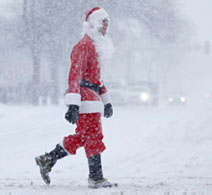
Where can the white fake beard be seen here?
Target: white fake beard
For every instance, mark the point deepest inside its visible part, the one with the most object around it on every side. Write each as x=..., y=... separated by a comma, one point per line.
x=105, y=49
x=103, y=44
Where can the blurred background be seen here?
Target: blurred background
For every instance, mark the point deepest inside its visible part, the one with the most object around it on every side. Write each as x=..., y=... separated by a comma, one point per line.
x=162, y=50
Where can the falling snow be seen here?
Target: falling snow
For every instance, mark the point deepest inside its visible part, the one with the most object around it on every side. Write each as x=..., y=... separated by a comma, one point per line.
x=159, y=139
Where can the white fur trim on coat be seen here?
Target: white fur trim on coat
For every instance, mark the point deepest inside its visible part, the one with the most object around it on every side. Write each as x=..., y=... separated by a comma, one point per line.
x=72, y=98
x=106, y=98
x=91, y=107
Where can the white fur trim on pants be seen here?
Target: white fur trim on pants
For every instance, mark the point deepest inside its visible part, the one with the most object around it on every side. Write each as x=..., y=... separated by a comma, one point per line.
x=72, y=98
x=91, y=107
x=106, y=98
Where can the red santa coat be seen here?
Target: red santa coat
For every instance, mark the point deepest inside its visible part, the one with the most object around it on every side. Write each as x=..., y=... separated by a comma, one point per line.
x=85, y=65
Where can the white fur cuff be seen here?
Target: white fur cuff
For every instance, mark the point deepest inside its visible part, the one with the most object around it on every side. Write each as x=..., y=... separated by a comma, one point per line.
x=106, y=98
x=72, y=98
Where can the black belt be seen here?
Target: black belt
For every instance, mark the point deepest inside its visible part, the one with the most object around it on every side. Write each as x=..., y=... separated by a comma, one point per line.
x=92, y=86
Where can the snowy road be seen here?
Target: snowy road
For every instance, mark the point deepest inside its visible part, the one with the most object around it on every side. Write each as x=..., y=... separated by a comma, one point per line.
x=159, y=150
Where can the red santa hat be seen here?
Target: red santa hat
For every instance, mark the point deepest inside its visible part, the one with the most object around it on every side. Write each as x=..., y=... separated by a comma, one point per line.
x=94, y=17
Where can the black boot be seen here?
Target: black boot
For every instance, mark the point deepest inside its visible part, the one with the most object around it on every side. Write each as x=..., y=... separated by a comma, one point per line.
x=48, y=160
x=96, y=179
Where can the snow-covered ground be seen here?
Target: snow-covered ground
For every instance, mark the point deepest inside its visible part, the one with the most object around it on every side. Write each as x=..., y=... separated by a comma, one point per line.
x=158, y=150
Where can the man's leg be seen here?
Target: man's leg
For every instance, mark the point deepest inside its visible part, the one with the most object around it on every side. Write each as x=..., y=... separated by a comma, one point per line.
x=94, y=142
x=96, y=179
x=93, y=147
x=95, y=167
x=48, y=160
x=70, y=144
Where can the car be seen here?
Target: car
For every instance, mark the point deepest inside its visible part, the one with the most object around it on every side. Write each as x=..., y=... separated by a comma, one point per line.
x=143, y=93
x=118, y=92
x=177, y=98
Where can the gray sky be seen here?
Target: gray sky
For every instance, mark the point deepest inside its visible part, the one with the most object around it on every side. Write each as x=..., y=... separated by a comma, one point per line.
x=8, y=8
x=199, y=12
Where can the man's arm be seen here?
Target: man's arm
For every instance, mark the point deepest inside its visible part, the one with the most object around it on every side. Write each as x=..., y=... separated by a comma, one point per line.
x=73, y=97
x=78, y=60
x=105, y=96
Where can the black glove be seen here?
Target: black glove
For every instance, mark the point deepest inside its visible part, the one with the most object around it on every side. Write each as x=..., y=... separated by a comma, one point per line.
x=72, y=114
x=108, y=110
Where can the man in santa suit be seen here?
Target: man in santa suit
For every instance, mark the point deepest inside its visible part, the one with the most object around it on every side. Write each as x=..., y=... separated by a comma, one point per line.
x=87, y=99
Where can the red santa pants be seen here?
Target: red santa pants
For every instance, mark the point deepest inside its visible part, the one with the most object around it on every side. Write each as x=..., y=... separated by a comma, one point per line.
x=88, y=134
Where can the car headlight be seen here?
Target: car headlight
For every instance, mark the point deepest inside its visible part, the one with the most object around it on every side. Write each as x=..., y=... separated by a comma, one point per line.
x=207, y=95
x=144, y=96
x=171, y=99
x=183, y=99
